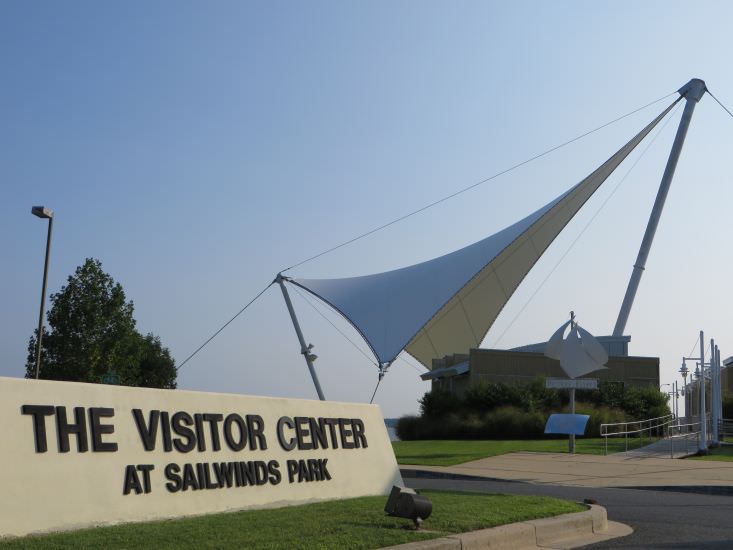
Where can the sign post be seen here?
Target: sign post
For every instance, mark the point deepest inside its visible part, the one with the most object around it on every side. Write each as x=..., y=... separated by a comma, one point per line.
x=579, y=354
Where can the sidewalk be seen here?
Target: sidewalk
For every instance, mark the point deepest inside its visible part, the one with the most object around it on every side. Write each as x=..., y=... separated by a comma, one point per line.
x=580, y=470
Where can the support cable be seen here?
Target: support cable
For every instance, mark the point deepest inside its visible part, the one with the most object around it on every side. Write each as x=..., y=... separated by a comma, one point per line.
x=694, y=345
x=225, y=325
x=719, y=103
x=472, y=186
x=595, y=215
x=406, y=362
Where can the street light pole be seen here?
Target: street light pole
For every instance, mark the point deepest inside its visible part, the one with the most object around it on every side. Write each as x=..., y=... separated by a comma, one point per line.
x=703, y=447
x=44, y=213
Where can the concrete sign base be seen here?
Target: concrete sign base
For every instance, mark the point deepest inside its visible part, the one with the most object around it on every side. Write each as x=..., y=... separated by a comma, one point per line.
x=79, y=455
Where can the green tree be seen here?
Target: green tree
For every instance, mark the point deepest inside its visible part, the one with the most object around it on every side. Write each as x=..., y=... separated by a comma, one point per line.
x=92, y=333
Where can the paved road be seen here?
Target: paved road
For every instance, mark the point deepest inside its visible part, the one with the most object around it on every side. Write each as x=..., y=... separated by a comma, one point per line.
x=661, y=519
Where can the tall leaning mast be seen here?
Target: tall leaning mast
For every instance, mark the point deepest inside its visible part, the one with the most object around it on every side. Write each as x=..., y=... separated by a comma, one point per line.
x=692, y=92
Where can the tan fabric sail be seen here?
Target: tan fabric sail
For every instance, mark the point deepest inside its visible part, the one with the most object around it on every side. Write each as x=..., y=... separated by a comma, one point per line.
x=447, y=305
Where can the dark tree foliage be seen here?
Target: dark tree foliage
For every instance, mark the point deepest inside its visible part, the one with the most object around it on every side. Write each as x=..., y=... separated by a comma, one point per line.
x=91, y=333
x=727, y=405
x=496, y=410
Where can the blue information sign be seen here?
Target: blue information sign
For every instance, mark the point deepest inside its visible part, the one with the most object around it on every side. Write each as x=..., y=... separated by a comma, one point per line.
x=566, y=424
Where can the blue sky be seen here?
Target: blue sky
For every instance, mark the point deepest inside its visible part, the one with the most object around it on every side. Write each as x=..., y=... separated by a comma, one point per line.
x=197, y=148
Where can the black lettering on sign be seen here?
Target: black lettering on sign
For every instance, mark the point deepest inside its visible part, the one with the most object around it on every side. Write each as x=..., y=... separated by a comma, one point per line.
x=292, y=466
x=224, y=473
x=165, y=427
x=204, y=476
x=331, y=423
x=148, y=430
x=179, y=425
x=198, y=420
x=324, y=471
x=249, y=475
x=213, y=420
x=359, y=435
x=189, y=478
x=99, y=429
x=256, y=427
x=146, y=469
x=314, y=472
x=273, y=467
x=345, y=433
x=39, y=413
x=308, y=470
x=65, y=429
x=234, y=442
x=302, y=432
x=318, y=433
x=132, y=479
x=260, y=472
x=287, y=444
x=172, y=474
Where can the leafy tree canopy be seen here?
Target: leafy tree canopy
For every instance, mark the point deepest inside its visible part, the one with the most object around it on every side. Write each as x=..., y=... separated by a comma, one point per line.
x=91, y=333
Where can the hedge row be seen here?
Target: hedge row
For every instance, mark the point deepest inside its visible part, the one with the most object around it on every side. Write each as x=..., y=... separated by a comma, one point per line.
x=503, y=411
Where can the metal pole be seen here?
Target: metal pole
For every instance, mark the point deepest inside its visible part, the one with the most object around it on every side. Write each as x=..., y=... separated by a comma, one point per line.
x=713, y=396
x=719, y=368
x=676, y=402
x=571, y=438
x=304, y=349
x=43, y=297
x=692, y=92
x=703, y=442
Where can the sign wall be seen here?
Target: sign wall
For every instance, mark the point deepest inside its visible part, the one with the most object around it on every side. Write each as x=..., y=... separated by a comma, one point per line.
x=77, y=455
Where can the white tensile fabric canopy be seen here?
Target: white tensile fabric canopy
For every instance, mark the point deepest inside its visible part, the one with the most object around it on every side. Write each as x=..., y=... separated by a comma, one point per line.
x=447, y=305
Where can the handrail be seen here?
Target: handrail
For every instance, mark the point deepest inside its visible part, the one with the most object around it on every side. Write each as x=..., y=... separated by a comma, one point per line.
x=638, y=427
x=664, y=421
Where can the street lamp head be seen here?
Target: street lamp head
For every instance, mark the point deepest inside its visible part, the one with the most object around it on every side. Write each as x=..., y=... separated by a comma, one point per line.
x=42, y=212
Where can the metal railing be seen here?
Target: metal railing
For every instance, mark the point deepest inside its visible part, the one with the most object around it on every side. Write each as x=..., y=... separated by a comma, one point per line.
x=653, y=426
x=725, y=430
x=676, y=432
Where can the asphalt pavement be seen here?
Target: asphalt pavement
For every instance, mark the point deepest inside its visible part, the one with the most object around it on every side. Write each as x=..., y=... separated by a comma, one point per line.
x=661, y=519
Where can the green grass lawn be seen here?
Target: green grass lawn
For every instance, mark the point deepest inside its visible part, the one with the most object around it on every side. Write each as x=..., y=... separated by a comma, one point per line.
x=451, y=452
x=724, y=454
x=353, y=523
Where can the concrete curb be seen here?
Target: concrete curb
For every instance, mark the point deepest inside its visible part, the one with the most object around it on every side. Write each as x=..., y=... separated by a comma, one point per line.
x=565, y=531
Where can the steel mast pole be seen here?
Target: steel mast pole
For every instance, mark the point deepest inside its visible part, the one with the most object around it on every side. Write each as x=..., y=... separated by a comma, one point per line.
x=692, y=92
x=720, y=383
x=713, y=399
x=703, y=446
x=304, y=349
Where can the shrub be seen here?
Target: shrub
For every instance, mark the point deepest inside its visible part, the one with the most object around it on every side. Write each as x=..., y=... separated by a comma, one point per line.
x=438, y=403
x=408, y=428
x=727, y=405
x=496, y=410
x=599, y=415
x=513, y=423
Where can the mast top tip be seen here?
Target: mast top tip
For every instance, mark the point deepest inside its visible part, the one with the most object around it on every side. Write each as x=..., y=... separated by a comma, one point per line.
x=694, y=89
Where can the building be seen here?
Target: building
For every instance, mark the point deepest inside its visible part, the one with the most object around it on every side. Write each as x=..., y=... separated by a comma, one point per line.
x=458, y=372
